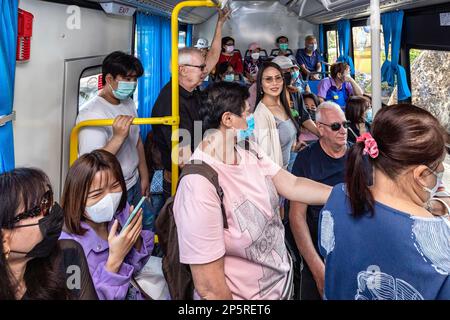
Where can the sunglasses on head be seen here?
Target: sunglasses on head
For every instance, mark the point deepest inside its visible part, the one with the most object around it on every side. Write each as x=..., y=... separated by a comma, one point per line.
x=335, y=126
x=42, y=208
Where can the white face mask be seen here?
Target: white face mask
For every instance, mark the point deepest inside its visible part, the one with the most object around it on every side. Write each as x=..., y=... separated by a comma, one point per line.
x=433, y=191
x=104, y=210
x=229, y=49
x=255, y=55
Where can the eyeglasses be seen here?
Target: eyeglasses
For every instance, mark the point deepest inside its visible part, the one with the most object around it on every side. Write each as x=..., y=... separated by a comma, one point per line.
x=335, y=126
x=43, y=208
x=201, y=67
x=278, y=79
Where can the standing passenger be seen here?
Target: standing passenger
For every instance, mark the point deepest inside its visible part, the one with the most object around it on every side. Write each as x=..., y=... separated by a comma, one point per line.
x=381, y=242
x=249, y=259
x=275, y=128
x=193, y=68
x=115, y=101
x=324, y=162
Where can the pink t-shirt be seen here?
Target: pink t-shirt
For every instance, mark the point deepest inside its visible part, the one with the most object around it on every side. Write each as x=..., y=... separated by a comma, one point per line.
x=256, y=260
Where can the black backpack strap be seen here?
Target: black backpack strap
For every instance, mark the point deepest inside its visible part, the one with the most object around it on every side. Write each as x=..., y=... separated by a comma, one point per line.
x=205, y=170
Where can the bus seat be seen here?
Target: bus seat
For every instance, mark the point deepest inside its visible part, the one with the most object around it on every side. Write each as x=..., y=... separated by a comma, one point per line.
x=314, y=86
x=276, y=50
x=262, y=52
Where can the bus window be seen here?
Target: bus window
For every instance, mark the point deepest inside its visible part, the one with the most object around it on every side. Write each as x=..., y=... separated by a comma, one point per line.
x=181, y=39
x=430, y=88
x=89, y=85
x=430, y=84
x=362, y=51
x=332, y=45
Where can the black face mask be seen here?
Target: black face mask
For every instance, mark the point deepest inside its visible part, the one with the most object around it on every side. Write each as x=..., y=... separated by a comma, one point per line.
x=50, y=227
x=287, y=78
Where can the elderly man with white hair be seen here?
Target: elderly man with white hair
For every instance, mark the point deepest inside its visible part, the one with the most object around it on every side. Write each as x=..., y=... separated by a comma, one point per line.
x=323, y=161
x=193, y=69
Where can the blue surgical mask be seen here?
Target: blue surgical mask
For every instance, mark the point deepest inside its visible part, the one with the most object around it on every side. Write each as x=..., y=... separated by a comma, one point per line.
x=125, y=89
x=369, y=116
x=244, y=134
x=229, y=77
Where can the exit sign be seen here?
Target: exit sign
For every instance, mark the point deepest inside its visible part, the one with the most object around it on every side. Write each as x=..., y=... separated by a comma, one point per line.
x=117, y=9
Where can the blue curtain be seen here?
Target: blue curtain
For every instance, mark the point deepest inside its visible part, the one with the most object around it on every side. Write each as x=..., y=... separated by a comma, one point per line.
x=344, y=32
x=154, y=50
x=392, y=31
x=8, y=42
x=189, y=36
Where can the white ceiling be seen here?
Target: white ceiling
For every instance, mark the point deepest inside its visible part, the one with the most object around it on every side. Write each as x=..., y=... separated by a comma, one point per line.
x=314, y=11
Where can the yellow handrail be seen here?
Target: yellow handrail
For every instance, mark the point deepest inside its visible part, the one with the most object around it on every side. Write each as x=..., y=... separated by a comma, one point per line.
x=108, y=122
x=175, y=91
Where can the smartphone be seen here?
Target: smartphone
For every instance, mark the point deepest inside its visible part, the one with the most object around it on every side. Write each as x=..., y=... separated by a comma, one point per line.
x=133, y=214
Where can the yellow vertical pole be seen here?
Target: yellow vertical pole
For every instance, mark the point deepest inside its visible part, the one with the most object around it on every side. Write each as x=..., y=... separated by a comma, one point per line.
x=175, y=86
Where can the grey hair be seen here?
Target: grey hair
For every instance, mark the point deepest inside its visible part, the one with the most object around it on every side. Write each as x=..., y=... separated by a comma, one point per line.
x=185, y=55
x=327, y=105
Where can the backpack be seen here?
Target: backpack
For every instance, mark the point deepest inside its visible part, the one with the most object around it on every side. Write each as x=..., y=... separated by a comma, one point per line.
x=178, y=275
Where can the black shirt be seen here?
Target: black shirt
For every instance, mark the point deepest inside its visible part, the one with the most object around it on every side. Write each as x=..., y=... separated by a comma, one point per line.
x=189, y=105
x=68, y=260
x=313, y=163
x=299, y=105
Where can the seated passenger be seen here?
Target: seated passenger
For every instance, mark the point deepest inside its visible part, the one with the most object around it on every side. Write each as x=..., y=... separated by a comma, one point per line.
x=309, y=59
x=311, y=103
x=324, y=162
x=340, y=86
x=34, y=265
x=230, y=56
x=282, y=43
x=202, y=45
x=253, y=62
x=225, y=72
x=359, y=113
x=96, y=209
x=235, y=263
x=381, y=242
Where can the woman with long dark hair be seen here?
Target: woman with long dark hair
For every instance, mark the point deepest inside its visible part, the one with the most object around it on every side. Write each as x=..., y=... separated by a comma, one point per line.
x=359, y=113
x=382, y=241
x=33, y=263
x=275, y=128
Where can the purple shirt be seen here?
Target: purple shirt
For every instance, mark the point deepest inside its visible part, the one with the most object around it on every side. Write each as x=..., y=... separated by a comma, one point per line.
x=325, y=85
x=112, y=286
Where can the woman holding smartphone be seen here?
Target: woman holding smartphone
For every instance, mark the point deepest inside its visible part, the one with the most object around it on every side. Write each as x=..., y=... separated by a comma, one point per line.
x=96, y=208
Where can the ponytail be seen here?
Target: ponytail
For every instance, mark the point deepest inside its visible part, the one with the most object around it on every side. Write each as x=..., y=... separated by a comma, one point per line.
x=357, y=176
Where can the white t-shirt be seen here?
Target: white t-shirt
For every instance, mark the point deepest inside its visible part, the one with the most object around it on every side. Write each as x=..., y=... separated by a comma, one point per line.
x=92, y=138
x=256, y=260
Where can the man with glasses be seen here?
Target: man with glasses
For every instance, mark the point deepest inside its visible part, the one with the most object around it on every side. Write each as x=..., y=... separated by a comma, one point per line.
x=193, y=69
x=322, y=161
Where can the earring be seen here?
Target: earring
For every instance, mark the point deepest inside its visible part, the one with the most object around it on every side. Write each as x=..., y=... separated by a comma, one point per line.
x=7, y=254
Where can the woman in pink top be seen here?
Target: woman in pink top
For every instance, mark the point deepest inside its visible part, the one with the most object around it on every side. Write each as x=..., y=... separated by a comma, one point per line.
x=248, y=260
